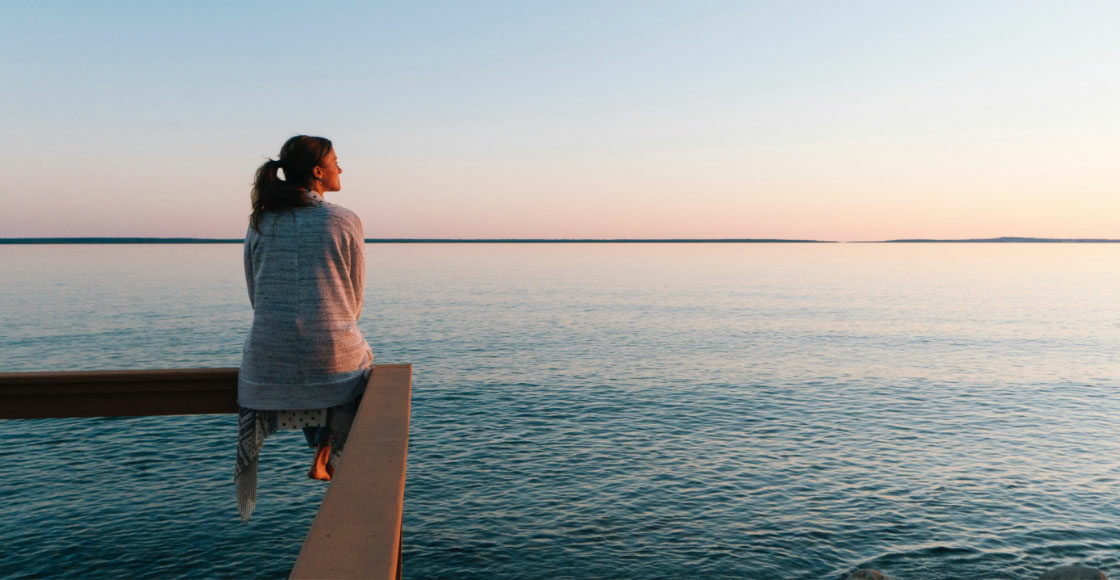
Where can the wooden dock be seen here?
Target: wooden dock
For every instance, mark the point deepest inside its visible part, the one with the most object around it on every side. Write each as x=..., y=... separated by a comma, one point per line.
x=357, y=531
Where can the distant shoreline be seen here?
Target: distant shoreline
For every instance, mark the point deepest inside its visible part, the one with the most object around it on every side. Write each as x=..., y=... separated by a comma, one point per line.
x=141, y=240
x=1002, y=240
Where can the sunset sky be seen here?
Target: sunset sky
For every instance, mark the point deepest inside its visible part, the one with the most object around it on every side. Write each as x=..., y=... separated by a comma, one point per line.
x=821, y=120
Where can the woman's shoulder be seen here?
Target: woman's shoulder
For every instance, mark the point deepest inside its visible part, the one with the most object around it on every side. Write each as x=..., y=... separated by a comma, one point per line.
x=340, y=217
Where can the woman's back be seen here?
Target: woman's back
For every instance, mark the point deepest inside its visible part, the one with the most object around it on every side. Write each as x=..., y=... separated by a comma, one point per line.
x=305, y=273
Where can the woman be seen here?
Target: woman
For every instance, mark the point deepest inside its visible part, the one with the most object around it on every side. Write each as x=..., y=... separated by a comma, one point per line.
x=305, y=363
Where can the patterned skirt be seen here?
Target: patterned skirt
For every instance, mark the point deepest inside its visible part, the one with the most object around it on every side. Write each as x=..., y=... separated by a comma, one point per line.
x=255, y=425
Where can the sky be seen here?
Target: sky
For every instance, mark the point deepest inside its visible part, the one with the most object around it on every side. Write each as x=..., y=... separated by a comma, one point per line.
x=646, y=119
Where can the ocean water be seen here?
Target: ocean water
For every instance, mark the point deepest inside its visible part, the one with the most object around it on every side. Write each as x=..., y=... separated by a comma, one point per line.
x=608, y=411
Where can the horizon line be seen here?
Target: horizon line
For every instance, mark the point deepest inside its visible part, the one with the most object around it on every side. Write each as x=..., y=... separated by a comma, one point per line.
x=191, y=240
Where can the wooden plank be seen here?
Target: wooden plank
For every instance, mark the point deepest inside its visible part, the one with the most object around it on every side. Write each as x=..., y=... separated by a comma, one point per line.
x=356, y=533
x=118, y=393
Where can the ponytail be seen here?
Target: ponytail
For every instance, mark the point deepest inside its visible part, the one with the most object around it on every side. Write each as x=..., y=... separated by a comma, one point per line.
x=298, y=157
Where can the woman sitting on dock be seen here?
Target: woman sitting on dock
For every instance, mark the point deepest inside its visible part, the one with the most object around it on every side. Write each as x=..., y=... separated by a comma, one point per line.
x=305, y=363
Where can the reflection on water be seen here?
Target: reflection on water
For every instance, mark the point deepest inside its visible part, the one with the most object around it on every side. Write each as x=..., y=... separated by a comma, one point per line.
x=609, y=410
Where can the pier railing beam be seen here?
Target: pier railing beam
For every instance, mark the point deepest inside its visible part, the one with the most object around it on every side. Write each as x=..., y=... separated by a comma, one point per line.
x=117, y=393
x=356, y=533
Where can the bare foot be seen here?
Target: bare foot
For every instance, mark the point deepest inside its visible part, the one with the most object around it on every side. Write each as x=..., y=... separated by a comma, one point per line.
x=319, y=468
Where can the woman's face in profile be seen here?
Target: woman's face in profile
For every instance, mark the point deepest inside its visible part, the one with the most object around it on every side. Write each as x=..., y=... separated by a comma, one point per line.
x=330, y=172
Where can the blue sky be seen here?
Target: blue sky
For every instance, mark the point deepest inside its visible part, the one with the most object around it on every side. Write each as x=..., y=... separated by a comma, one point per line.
x=854, y=120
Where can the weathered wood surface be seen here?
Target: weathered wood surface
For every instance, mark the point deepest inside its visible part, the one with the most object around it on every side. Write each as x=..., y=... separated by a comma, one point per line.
x=356, y=533
x=117, y=393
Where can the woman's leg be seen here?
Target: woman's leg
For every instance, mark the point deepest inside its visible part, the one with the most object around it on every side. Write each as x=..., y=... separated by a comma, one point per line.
x=320, y=469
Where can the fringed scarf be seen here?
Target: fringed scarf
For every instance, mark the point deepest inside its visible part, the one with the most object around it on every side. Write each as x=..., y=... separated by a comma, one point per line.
x=254, y=426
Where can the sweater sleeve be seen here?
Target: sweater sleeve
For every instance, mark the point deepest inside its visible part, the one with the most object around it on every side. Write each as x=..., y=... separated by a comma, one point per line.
x=250, y=275
x=358, y=267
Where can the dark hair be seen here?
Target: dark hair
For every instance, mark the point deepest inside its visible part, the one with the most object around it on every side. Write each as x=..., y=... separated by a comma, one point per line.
x=298, y=157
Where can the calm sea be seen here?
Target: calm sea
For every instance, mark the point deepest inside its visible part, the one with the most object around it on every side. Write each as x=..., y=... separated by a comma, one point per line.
x=613, y=411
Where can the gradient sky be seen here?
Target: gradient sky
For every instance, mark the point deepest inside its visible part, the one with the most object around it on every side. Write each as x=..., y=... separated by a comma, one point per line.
x=822, y=120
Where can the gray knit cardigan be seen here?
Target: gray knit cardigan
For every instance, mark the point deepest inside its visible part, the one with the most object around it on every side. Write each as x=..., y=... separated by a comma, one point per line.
x=305, y=270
